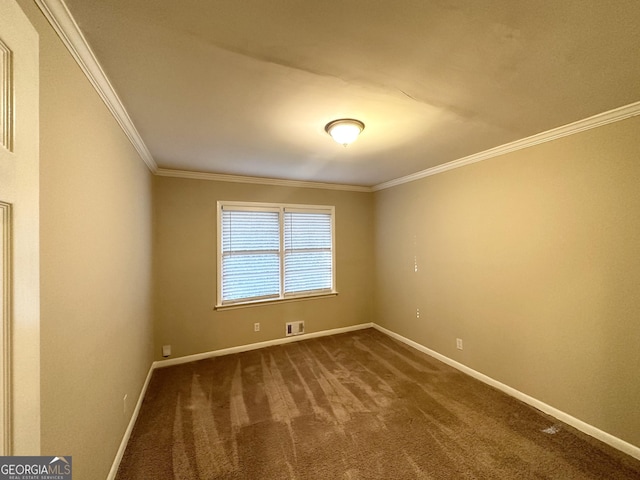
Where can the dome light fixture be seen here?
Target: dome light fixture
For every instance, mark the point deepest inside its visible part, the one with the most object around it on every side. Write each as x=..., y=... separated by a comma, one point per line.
x=344, y=130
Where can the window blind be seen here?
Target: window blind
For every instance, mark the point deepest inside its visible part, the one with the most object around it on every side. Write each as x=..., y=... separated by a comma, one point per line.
x=271, y=252
x=250, y=255
x=308, y=262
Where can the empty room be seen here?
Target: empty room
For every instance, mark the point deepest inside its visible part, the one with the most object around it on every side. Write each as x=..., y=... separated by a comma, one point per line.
x=321, y=240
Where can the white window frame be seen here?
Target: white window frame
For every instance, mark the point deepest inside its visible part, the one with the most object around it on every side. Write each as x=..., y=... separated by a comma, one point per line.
x=281, y=208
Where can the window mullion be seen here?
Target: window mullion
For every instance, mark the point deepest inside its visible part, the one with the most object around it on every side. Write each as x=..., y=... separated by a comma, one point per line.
x=296, y=244
x=281, y=214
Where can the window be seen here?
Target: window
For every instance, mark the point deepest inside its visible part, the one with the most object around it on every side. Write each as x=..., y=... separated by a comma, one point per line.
x=274, y=252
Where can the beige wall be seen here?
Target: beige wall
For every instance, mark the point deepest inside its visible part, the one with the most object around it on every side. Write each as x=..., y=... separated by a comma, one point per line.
x=185, y=266
x=95, y=251
x=532, y=258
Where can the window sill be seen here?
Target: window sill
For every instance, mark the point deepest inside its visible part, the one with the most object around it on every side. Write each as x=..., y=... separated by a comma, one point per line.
x=271, y=301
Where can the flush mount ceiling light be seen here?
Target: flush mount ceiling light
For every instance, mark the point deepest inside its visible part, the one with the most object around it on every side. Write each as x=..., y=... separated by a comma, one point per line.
x=345, y=130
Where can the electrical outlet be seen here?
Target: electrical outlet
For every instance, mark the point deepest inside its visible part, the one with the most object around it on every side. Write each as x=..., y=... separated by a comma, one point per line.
x=459, y=343
x=166, y=350
x=256, y=327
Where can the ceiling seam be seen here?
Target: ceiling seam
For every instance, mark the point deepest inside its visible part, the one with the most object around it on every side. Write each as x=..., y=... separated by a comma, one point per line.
x=598, y=120
x=67, y=29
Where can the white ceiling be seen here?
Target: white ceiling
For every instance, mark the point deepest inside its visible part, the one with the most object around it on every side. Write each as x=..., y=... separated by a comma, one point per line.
x=245, y=87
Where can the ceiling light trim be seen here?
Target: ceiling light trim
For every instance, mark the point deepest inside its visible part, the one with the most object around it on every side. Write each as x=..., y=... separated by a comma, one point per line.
x=599, y=120
x=220, y=177
x=67, y=29
x=337, y=132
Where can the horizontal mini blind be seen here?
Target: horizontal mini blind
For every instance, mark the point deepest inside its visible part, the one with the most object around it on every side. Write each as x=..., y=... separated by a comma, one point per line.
x=250, y=254
x=308, y=257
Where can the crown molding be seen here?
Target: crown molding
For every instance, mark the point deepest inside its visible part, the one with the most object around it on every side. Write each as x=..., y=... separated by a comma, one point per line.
x=67, y=29
x=218, y=177
x=595, y=121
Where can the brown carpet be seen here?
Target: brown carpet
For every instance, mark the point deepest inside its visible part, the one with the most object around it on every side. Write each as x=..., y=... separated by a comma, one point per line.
x=351, y=406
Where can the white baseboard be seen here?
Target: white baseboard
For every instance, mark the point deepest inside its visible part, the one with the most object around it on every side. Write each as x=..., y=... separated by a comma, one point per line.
x=584, y=427
x=215, y=353
x=127, y=433
x=255, y=346
x=601, y=435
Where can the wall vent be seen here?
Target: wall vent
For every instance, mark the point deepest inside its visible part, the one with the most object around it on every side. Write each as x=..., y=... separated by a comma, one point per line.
x=294, y=328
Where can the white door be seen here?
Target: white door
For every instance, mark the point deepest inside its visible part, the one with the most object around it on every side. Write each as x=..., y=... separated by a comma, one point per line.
x=19, y=245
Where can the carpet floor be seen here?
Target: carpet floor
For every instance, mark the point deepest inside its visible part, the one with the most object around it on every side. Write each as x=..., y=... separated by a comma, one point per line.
x=352, y=406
